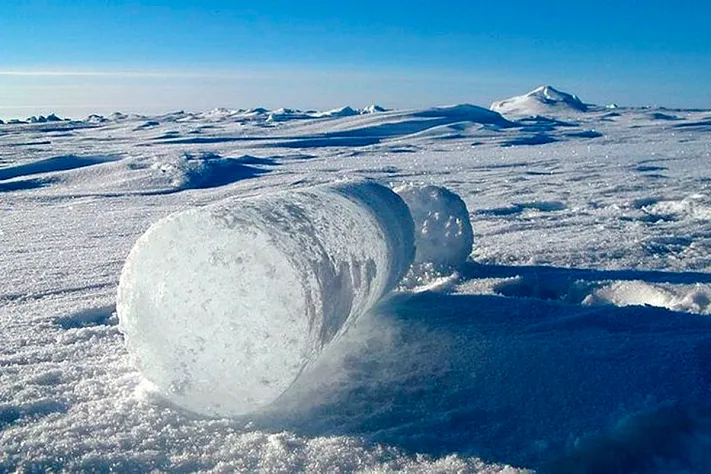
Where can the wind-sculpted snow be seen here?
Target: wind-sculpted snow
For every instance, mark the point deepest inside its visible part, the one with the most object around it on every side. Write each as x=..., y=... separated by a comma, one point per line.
x=115, y=176
x=224, y=306
x=57, y=163
x=207, y=170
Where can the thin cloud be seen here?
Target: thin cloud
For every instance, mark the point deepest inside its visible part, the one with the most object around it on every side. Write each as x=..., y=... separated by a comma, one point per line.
x=279, y=72
x=131, y=74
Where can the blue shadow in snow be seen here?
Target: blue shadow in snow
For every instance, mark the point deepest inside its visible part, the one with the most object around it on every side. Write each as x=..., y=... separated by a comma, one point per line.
x=99, y=316
x=220, y=172
x=24, y=185
x=474, y=270
x=512, y=380
x=538, y=139
x=57, y=163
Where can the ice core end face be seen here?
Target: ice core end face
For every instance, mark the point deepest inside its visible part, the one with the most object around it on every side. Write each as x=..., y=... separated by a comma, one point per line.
x=443, y=232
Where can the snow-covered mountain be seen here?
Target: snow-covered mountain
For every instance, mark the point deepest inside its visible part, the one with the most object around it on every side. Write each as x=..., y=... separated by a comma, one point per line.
x=544, y=100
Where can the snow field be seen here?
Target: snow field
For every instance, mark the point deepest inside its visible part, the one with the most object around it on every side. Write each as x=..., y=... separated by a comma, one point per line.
x=508, y=362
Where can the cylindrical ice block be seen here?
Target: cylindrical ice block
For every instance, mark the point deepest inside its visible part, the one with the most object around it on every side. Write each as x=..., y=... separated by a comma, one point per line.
x=443, y=232
x=222, y=307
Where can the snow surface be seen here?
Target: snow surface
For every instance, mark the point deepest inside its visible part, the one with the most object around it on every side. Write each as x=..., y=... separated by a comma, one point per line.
x=577, y=336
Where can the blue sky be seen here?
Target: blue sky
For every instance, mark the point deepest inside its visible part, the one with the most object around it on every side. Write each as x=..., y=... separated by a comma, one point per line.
x=151, y=56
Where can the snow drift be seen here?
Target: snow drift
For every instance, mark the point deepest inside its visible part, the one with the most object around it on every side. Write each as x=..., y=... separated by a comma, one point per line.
x=224, y=306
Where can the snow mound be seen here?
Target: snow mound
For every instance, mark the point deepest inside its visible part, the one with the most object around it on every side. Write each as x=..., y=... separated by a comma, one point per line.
x=443, y=232
x=346, y=111
x=373, y=109
x=695, y=207
x=284, y=114
x=224, y=306
x=219, y=113
x=687, y=298
x=206, y=170
x=256, y=111
x=96, y=118
x=43, y=119
x=118, y=116
x=544, y=100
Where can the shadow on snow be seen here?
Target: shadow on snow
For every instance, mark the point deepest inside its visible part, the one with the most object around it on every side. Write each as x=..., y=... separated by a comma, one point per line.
x=530, y=382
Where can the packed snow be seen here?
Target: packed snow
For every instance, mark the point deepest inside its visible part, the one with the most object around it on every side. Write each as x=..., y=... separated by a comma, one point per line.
x=574, y=337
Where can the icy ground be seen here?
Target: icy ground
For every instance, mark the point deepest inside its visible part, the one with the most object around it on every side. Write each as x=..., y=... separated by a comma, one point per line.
x=576, y=339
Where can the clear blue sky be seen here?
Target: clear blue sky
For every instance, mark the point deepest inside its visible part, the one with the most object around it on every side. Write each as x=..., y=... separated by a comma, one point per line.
x=82, y=55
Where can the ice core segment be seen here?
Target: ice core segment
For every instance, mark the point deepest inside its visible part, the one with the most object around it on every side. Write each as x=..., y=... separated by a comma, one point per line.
x=443, y=232
x=224, y=306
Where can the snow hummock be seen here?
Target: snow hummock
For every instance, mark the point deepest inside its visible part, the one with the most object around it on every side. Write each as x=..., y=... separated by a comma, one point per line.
x=117, y=116
x=195, y=171
x=43, y=119
x=689, y=298
x=284, y=114
x=465, y=112
x=96, y=118
x=224, y=306
x=544, y=100
x=373, y=109
x=346, y=111
x=349, y=111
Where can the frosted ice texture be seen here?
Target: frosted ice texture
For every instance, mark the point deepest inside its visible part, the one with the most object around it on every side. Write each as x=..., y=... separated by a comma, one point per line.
x=443, y=232
x=224, y=306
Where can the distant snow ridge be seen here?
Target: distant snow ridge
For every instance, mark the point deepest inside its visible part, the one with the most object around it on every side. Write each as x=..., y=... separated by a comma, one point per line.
x=373, y=109
x=224, y=306
x=43, y=119
x=544, y=100
x=346, y=111
x=443, y=232
x=283, y=114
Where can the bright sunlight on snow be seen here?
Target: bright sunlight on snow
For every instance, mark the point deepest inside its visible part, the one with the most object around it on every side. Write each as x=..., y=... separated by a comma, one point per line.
x=222, y=291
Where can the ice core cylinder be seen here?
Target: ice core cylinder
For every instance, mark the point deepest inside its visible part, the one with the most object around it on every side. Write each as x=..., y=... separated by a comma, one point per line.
x=223, y=306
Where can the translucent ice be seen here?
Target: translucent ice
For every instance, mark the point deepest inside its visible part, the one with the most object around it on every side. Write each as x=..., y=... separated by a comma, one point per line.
x=443, y=233
x=224, y=306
